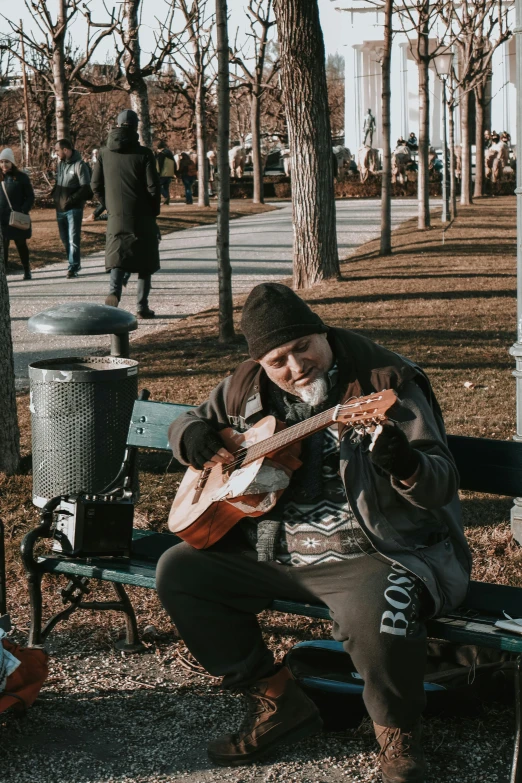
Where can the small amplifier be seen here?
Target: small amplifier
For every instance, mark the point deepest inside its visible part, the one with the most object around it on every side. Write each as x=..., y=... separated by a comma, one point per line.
x=94, y=526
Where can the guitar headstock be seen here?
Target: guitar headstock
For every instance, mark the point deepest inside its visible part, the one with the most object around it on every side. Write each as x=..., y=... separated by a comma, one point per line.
x=366, y=411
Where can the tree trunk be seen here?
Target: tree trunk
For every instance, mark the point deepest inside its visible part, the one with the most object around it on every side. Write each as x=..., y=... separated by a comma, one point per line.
x=201, y=142
x=386, y=134
x=305, y=96
x=139, y=100
x=423, y=182
x=465, y=181
x=453, y=180
x=479, y=141
x=9, y=432
x=137, y=86
x=255, y=128
x=226, y=307
x=61, y=86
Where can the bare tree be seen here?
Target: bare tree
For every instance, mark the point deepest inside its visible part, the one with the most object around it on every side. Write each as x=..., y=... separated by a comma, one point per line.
x=479, y=28
x=257, y=80
x=452, y=102
x=335, y=82
x=130, y=76
x=420, y=19
x=385, y=247
x=226, y=309
x=10, y=98
x=305, y=97
x=51, y=44
x=134, y=77
x=192, y=60
x=9, y=432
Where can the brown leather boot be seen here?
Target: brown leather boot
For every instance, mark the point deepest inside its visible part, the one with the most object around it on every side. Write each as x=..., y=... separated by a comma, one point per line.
x=401, y=755
x=278, y=712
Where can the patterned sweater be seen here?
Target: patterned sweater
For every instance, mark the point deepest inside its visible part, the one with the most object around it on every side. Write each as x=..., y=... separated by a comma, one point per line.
x=324, y=529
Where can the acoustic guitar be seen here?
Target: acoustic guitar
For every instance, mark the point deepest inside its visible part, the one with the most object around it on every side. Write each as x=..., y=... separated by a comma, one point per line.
x=211, y=501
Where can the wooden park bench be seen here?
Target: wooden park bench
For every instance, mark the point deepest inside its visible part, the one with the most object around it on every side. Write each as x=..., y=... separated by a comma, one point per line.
x=487, y=466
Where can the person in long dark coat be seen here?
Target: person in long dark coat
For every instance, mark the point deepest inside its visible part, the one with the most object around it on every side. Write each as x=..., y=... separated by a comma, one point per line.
x=125, y=180
x=21, y=195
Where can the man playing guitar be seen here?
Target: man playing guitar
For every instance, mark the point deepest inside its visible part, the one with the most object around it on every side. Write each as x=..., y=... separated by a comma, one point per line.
x=369, y=524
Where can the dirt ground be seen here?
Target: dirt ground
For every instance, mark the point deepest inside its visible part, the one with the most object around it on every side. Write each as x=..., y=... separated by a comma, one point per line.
x=444, y=299
x=45, y=245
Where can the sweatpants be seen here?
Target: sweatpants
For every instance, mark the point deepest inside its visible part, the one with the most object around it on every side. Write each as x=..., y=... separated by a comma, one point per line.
x=213, y=596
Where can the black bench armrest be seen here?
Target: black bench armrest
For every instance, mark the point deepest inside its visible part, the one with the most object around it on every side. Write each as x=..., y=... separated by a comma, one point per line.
x=44, y=530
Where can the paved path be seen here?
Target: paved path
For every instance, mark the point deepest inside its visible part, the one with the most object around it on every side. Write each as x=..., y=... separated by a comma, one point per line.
x=260, y=247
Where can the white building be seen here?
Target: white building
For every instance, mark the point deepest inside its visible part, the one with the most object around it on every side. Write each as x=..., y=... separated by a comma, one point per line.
x=363, y=26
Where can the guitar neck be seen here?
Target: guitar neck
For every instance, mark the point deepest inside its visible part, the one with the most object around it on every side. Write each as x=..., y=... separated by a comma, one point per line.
x=290, y=435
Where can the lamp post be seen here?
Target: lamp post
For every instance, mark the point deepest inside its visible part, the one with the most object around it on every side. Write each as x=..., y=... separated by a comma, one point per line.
x=516, y=349
x=443, y=65
x=20, y=124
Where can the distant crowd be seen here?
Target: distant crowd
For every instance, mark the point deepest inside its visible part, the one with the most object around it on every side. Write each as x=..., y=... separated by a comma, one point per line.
x=129, y=182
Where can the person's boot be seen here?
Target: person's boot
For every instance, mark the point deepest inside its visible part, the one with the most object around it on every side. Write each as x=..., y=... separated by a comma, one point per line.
x=401, y=755
x=278, y=712
x=112, y=300
x=146, y=313
x=27, y=273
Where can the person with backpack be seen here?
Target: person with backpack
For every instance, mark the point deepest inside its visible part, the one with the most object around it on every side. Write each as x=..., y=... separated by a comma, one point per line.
x=126, y=181
x=187, y=172
x=72, y=189
x=16, y=195
x=166, y=166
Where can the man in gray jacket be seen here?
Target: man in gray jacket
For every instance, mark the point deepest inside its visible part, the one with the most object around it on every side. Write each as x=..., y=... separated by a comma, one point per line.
x=71, y=191
x=370, y=525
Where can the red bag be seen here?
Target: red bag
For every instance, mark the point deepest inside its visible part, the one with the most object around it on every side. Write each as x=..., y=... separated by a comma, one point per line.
x=23, y=685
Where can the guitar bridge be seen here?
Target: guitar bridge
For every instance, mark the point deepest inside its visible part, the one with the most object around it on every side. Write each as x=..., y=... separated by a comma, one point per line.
x=200, y=486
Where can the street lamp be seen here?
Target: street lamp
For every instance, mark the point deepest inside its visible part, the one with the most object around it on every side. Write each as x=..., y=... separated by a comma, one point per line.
x=20, y=124
x=516, y=349
x=443, y=65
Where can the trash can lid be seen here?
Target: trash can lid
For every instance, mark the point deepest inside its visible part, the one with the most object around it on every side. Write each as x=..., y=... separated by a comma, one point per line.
x=82, y=318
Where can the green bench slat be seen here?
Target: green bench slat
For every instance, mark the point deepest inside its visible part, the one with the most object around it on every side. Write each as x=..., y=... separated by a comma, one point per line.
x=492, y=599
x=473, y=632
x=487, y=465
x=133, y=573
x=146, y=546
x=150, y=422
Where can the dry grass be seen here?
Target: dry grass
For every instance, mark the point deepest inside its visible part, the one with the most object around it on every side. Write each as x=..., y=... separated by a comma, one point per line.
x=451, y=307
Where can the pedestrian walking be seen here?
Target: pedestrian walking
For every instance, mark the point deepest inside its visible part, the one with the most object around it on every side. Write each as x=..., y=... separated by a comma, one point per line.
x=166, y=166
x=125, y=180
x=16, y=195
x=187, y=172
x=71, y=191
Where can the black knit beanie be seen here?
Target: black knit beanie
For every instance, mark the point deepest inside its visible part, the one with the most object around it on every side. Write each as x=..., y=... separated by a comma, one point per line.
x=274, y=315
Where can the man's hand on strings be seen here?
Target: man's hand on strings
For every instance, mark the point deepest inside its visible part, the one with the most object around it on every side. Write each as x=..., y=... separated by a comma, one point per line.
x=203, y=447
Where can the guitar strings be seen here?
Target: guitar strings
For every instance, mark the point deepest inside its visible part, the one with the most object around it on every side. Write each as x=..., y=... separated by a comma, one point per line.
x=301, y=428
x=241, y=453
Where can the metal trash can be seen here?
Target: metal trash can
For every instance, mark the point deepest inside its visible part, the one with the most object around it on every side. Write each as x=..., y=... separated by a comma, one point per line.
x=80, y=410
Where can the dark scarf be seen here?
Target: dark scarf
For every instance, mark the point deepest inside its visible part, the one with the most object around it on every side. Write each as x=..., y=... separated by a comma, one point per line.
x=306, y=483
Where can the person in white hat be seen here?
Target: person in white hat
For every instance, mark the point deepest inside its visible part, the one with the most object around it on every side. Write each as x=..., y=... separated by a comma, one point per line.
x=16, y=194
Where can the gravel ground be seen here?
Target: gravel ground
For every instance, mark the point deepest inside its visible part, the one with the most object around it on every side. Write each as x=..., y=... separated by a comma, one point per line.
x=104, y=717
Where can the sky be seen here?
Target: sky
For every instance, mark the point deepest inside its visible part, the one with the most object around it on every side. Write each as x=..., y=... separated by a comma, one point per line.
x=334, y=31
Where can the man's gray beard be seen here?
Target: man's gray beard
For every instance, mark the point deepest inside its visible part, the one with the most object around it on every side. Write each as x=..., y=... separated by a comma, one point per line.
x=315, y=392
